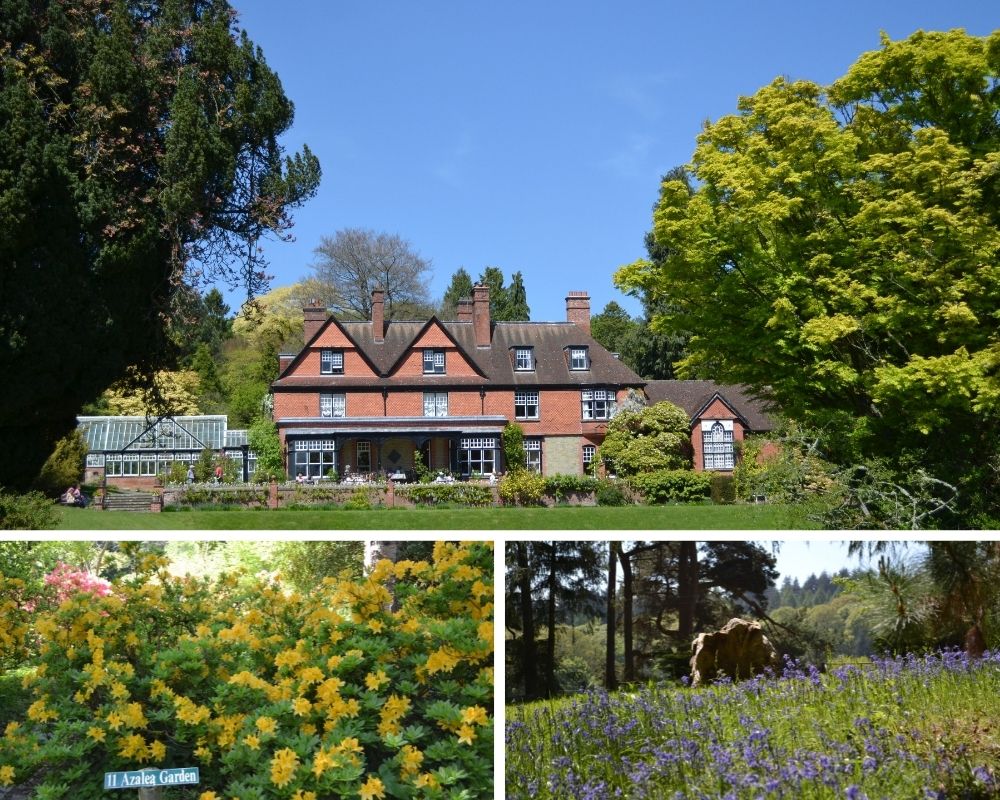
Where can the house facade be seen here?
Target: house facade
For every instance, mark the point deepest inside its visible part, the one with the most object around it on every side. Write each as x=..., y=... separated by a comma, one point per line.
x=721, y=417
x=365, y=397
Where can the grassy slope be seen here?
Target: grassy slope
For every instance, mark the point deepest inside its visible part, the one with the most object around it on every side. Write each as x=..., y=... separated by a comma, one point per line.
x=708, y=517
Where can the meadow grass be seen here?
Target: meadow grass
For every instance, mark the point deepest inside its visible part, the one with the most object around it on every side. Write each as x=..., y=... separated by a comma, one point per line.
x=679, y=517
x=898, y=728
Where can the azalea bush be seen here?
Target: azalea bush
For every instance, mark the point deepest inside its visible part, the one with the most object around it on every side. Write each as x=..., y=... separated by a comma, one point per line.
x=375, y=688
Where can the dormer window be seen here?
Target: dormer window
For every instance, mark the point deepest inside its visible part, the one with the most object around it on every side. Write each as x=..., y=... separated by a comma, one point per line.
x=524, y=359
x=331, y=362
x=434, y=362
x=579, y=358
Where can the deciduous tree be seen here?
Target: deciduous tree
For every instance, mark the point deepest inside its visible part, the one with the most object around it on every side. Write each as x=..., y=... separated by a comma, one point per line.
x=840, y=251
x=354, y=262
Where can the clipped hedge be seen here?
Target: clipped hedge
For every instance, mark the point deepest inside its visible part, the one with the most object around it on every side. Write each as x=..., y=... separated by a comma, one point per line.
x=561, y=486
x=430, y=494
x=672, y=486
x=271, y=693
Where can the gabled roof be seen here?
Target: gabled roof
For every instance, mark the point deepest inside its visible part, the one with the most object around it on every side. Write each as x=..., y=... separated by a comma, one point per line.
x=549, y=340
x=294, y=362
x=695, y=396
x=433, y=322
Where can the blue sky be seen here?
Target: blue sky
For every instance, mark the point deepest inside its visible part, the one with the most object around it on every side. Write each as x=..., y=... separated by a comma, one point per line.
x=532, y=136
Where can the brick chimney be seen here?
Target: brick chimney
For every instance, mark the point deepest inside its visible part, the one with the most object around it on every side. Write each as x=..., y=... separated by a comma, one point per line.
x=284, y=360
x=314, y=315
x=378, y=315
x=578, y=310
x=465, y=310
x=481, y=314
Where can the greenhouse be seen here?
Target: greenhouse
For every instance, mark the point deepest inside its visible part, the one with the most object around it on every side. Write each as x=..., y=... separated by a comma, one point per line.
x=138, y=449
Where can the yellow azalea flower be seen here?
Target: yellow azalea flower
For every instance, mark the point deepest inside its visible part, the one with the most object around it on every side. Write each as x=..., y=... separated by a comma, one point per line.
x=95, y=733
x=485, y=631
x=252, y=742
x=322, y=761
x=118, y=691
x=475, y=715
x=283, y=767
x=134, y=718
x=158, y=750
x=288, y=658
x=301, y=706
x=301, y=795
x=441, y=660
x=411, y=759
x=208, y=796
x=203, y=754
x=266, y=724
x=372, y=788
x=6, y=775
x=311, y=675
x=410, y=626
x=350, y=745
x=11, y=729
x=426, y=779
x=307, y=729
x=375, y=680
x=466, y=734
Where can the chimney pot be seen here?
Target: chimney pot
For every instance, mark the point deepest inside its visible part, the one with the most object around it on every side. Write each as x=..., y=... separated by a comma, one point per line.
x=465, y=310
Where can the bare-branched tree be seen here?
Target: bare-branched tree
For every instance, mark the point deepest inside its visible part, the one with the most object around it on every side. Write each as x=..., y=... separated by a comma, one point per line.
x=356, y=261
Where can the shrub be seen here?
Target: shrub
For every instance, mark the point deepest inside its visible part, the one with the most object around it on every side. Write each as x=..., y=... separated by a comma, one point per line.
x=512, y=440
x=559, y=486
x=31, y=511
x=521, y=488
x=672, y=486
x=271, y=693
x=466, y=494
x=610, y=493
x=360, y=500
x=263, y=439
x=723, y=489
x=64, y=467
x=647, y=440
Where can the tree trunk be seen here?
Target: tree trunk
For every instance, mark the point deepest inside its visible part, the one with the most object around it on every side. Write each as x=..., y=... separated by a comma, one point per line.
x=628, y=675
x=550, y=648
x=687, y=589
x=610, y=679
x=529, y=663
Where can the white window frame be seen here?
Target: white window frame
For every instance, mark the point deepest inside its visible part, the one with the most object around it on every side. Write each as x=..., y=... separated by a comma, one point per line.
x=717, y=449
x=435, y=404
x=363, y=447
x=524, y=359
x=533, y=455
x=528, y=400
x=331, y=362
x=589, y=457
x=314, y=458
x=579, y=359
x=332, y=406
x=478, y=455
x=597, y=404
x=434, y=362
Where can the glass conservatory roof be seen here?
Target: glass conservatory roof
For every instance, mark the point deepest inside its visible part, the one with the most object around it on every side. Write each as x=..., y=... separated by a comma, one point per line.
x=113, y=434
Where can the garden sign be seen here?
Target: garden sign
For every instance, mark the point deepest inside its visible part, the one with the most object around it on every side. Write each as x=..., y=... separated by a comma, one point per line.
x=150, y=778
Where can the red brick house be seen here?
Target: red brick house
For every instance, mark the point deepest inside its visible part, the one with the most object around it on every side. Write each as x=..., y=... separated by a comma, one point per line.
x=721, y=417
x=364, y=396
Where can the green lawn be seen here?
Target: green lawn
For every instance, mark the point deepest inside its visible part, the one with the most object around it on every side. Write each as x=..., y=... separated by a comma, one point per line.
x=689, y=517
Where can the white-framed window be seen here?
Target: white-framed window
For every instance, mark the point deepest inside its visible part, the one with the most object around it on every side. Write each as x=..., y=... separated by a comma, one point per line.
x=363, y=456
x=589, y=455
x=477, y=455
x=331, y=362
x=313, y=458
x=579, y=358
x=434, y=362
x=597, y=403
x=332, y=405
x=524, y=359
x=435, y=404
x=526, y=404
x=717, y=444
x=95, y=459
x=533, y=454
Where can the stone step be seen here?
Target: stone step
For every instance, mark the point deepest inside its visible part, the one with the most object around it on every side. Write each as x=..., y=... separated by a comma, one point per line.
x=128, y=501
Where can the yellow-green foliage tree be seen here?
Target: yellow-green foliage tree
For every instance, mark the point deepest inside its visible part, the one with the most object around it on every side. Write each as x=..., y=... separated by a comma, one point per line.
x=838, y=252
x=271, y=693
x=178, y=392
